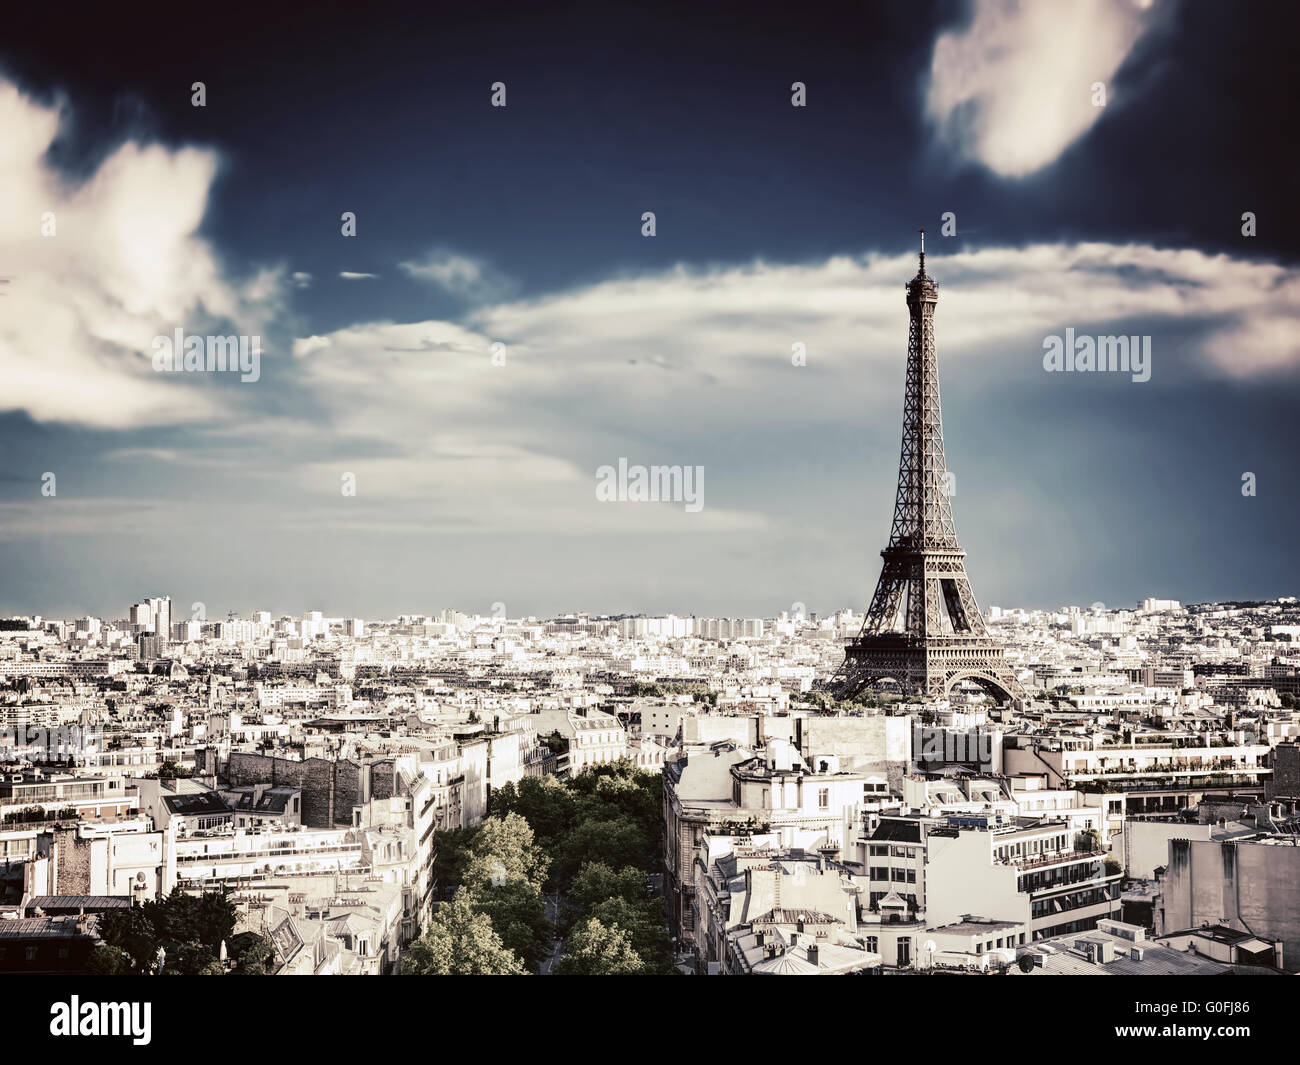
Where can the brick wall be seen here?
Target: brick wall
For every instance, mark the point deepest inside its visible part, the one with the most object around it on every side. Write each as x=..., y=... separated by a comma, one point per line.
x=74, y=863
x=329, y=789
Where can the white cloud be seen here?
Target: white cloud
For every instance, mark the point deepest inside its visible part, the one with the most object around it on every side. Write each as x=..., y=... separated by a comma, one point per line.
x=300, y=279
x=306, y=345
x=459, y=275
x=1013, y=89
x=659, y=368
x=349, y=275
x=124, y=265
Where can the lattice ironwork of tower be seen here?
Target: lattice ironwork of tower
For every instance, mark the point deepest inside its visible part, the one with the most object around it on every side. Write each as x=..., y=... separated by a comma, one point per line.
x=924, y=629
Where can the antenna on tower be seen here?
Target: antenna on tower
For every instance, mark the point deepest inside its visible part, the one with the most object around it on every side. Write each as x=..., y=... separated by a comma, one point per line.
x=923, y=253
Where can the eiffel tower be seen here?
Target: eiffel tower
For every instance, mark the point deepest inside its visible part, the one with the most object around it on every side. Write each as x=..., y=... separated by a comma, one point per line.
x=924, y=628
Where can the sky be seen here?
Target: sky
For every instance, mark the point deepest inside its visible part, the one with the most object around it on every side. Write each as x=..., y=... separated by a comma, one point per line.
x=500, y=327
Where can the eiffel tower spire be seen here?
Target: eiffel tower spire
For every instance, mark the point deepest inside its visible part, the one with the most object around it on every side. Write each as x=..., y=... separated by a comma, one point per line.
x=924, y=628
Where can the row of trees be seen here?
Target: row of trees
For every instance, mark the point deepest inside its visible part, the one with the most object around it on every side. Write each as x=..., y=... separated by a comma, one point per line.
x=619, y=928
x=496, y=922
x=594, y=839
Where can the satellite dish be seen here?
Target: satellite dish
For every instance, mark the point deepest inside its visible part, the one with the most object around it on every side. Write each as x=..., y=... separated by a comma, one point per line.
x=1026, y=963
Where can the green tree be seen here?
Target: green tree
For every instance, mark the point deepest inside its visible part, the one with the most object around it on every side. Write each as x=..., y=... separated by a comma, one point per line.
x=548, y=806
x=597, y=882
x=643, y=922
x=504, y=849
x=109, y=961
x=190, y=928
x=252, y=953
x=191, y=959
x=450, y=855
x=616, y=843
x=179, y=918
x=518, y=915
x=132, y=933
x=460, y=942
x=599, y=950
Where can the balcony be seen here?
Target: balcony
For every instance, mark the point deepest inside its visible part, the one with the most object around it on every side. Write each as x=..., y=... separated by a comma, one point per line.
x=1038, y=861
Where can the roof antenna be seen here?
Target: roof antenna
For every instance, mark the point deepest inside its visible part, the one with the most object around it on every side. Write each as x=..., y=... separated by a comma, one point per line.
x=923, y=253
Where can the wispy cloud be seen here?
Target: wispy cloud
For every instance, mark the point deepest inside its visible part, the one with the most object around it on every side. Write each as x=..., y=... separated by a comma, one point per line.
x=461, y=276
x=349, y=275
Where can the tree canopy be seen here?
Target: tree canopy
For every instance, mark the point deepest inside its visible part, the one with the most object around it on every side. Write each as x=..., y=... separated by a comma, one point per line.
x=595, y=838
x=189, y=928
x=460, y=942
x=595, y=949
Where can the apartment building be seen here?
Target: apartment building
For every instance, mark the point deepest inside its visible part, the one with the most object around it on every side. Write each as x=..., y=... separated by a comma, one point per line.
x=1248, y=883
x=25, y=792
x=775, y=790
x=761, y=908
x=1151, y=774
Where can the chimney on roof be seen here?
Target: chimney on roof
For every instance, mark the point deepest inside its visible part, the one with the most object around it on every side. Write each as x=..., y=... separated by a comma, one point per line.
x=812, y=954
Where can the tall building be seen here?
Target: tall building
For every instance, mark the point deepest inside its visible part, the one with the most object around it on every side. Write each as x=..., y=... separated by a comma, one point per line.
x=153, y=615
x=149, y=647
x=924, y=628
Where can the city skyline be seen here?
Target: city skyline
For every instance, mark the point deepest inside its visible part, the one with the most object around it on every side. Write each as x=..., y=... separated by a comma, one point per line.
x=808, y=615
x=781, y=235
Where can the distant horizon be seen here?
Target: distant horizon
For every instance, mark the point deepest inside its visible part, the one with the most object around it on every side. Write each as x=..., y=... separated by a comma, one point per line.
x=372, y=619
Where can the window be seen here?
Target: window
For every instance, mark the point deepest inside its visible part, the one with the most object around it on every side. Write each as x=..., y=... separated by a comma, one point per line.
x=873, y=944
x=877, y=851
x=823, y=798
x=880, y=872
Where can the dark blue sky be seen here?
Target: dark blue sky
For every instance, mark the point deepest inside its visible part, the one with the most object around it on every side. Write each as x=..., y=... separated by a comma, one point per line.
x=479, y=489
